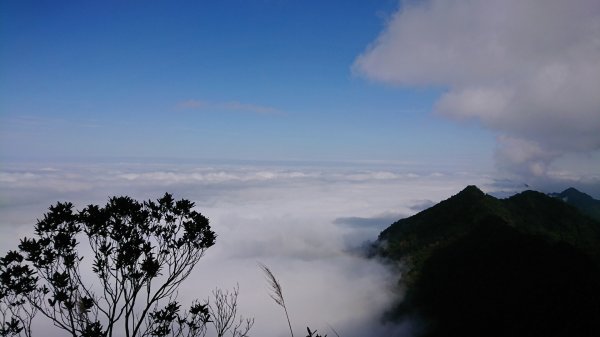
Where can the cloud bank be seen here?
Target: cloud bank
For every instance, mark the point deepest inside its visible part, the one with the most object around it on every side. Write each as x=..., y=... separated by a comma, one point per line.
x=303, y=222
x=526, y=69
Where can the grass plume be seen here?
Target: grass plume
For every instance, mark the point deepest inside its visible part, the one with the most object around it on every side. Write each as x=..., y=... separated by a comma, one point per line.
x=276, y=292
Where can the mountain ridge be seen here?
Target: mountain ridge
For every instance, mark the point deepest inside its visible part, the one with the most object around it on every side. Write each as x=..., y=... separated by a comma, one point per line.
x=580, y=200
x=529, y=211
x=499, y=258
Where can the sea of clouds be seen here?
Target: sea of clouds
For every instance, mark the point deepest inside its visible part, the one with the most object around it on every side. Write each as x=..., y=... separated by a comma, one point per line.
x=306, y=223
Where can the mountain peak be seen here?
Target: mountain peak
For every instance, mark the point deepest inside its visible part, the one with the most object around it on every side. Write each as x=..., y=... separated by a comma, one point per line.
x=573, y=192
x=582, y=201
x=471, y=191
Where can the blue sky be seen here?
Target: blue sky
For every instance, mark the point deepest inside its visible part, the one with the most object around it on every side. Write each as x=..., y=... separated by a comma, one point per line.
x=266, y=80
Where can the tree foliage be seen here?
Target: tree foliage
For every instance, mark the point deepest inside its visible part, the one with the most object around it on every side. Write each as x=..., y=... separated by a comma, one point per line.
x=141, y=252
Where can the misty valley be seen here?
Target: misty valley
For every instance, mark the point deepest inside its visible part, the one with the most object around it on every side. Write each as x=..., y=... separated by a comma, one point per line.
x=470, y=265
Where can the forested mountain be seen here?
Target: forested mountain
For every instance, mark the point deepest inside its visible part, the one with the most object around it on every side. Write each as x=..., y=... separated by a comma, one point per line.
x=584, y=202
x=475, y=265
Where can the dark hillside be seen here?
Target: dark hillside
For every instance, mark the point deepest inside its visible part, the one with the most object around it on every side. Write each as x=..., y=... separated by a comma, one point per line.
x=582, y=201
x=552, y=219
x=480, y=266
x=414, y=238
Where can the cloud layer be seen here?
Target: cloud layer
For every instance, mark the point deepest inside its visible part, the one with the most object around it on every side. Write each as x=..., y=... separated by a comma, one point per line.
x=304, y=223
x=527, y=69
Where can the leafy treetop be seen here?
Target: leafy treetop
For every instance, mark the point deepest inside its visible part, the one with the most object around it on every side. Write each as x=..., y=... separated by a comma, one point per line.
x=142, y=252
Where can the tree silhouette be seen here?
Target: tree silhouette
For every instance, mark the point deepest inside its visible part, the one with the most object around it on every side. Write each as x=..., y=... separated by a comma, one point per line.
x=142, y=252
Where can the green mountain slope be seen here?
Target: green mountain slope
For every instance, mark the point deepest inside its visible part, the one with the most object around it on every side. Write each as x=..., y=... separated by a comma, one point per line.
x=584, y=202
x=480, y=266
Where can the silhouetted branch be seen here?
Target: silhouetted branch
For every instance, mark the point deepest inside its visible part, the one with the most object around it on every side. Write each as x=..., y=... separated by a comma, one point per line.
x=223, y=313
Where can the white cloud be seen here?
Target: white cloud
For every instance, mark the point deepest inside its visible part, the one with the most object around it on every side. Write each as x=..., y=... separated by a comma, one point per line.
x=526, y=155
x=527, y=69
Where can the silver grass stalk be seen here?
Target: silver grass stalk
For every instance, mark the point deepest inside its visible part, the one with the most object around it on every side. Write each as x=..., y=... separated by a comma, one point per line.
x=332, y=329
x=276, y=292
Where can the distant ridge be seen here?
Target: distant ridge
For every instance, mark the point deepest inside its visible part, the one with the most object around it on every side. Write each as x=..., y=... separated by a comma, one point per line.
x=475, y=265
x=582, y=201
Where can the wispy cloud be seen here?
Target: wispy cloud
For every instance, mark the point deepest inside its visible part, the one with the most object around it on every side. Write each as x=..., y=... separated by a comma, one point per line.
x=380, y=221
x=190, y=104
x=193, y=104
